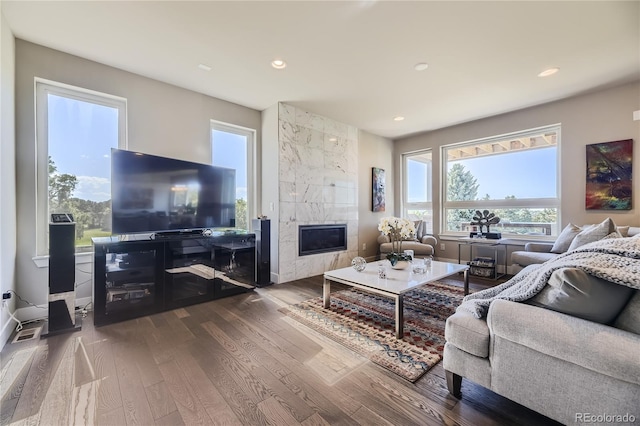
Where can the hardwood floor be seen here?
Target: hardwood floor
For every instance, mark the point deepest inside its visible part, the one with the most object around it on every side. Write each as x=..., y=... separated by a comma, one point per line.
x=232, y=361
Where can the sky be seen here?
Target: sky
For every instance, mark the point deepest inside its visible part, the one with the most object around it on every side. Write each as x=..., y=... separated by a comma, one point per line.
x=81, y=135
x=495, y=174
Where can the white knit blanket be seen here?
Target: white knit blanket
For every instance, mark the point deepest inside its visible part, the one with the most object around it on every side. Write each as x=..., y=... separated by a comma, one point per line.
x=613, y=259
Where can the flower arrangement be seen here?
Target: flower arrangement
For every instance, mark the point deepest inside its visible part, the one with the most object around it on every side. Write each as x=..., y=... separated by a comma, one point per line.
x=397, y=229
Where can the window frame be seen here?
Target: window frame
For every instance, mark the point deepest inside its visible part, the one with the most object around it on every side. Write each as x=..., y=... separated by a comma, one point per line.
x=405, y=204
x=503, y=203
x=42, y=88
x=250, y=134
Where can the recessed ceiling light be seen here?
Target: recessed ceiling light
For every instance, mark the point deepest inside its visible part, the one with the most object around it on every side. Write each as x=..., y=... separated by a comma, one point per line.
x=204, y=67
x=421, y=66
x=548, y=72
x=398, y=118
x=333, y=139
x=278, y=64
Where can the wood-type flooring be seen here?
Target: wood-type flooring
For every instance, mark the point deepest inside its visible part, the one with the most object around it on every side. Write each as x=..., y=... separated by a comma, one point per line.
x=233, y=361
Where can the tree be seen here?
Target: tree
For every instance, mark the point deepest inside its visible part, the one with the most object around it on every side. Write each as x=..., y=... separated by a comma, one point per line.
x=461, y=186
x=61, y=187
x=241, y=214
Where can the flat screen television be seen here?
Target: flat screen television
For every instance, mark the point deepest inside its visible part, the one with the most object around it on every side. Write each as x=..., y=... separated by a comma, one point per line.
x=156, y=194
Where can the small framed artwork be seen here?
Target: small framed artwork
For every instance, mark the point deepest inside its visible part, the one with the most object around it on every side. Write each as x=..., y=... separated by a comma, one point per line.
x=378, y=185
x=609, y=182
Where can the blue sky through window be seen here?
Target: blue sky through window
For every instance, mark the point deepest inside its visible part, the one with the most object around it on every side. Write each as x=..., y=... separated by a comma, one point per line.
x=81, y=135
x=230, y=150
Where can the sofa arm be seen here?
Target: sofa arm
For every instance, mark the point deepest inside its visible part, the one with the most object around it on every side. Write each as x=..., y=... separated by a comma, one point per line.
x=430, y=240
x=539, y=247
x=383, y=239
x=594, y=346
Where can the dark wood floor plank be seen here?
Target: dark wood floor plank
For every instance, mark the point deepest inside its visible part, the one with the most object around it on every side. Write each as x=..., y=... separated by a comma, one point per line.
x=275, y=413
x=45, y=363
x=109, y=398
x=332, y=404
x=114, y=417
x=134, y=401
x=211, y=399
x=173, y=419
x=191, y=409
x=242, y=405
x=160, y=400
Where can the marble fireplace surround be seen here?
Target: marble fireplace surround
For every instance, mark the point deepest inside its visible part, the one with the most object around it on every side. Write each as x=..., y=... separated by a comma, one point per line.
x=318, y=184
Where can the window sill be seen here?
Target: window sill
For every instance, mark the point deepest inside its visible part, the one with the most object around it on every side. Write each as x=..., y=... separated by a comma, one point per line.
x=43, y=261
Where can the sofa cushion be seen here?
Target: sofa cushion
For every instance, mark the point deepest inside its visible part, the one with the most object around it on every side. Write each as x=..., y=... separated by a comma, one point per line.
x=593, y=233
x=629, y=318
x=468, y=333
x=574, y=292
x=525, y=258
x=565, y=238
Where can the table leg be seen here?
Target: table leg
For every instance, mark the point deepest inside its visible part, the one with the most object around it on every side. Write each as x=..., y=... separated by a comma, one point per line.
x=466, y=281
x=399, y=317
x=326, y=289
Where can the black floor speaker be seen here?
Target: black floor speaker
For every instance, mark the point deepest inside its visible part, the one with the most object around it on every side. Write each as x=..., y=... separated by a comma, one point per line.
x=262, y=229
x=62, y=259
x=62, y=280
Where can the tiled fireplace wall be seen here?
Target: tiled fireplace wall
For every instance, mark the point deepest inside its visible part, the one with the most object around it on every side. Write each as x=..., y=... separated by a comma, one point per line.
x=318, y=171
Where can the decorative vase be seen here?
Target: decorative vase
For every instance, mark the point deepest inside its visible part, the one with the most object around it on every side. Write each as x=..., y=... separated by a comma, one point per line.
x=399, y=260
x=400, y=264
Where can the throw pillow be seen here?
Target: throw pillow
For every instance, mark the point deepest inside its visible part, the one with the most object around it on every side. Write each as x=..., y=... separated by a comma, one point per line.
x=623, y=230
x=573, y=292
x=419, y=224
x=593, y=233
x=629, y=318
x=565, y=238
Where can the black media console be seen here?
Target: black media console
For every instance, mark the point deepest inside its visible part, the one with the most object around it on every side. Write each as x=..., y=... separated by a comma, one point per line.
x=137, y=276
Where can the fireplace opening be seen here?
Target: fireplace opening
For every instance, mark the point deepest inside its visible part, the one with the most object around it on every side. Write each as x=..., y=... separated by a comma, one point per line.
x=313, y=239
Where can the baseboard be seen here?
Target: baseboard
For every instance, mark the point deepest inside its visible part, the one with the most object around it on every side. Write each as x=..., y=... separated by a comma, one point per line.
x=7, y=329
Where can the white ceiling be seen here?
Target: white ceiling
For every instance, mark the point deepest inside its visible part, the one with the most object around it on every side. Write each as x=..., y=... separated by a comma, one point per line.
x=354, y=61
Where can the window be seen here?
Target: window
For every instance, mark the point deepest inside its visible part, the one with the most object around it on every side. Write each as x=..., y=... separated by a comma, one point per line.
x=417, y=185
x=76, y=129
x=513, y=176
x=233, y=147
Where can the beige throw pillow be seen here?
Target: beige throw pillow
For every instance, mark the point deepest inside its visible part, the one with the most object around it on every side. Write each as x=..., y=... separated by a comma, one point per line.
x=593, y=233
x=623, y=230
x=565, y=238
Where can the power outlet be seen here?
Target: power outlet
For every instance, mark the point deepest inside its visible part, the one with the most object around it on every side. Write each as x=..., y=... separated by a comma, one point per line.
x=364, y=246
x=442, y=246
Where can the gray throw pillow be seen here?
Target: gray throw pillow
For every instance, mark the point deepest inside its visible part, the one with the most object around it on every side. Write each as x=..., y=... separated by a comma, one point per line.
x=565, y=238
x=593, y=233
x=629, y=318
x=574, y=292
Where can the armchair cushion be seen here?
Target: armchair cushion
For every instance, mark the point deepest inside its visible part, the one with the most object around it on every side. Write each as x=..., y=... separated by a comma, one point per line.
x=468, y=333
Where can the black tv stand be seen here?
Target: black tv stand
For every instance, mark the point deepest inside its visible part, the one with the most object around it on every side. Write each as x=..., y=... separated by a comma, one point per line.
x=179, y=233
x=138, y=275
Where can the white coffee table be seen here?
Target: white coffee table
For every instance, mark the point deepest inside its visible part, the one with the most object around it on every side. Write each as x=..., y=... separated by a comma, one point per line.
x=397, y=283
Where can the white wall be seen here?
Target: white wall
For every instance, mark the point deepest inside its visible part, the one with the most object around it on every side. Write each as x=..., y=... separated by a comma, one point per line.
x=374, y=151
x=7, y=176
x=602, y=116
x=162, y=120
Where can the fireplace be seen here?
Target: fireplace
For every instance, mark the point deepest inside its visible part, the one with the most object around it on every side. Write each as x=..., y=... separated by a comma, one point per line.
x=313, y=239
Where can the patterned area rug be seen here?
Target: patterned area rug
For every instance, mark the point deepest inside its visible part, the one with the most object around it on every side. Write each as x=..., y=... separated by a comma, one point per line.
x=364, y=322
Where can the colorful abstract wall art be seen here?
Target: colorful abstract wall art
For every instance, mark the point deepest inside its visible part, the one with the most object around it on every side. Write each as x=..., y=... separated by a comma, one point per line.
x=609, y=180
x=378, y=184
